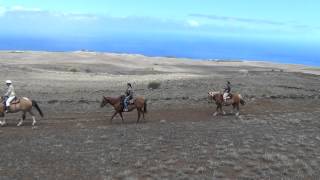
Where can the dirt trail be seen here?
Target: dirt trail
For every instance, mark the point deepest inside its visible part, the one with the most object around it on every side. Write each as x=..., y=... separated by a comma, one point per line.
x=182, y=143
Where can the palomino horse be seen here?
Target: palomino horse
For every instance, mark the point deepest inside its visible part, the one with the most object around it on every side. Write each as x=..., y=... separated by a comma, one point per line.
x=23, y=104
x=235, y=101
x=139, y=103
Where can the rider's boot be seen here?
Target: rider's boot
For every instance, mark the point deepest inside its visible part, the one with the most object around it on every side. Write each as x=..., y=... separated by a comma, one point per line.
x=225, y=101
x=125, y=109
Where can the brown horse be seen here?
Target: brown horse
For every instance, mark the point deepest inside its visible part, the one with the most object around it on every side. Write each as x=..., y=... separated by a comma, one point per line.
x=139, y=103
x=21, y=104
x=235, y=101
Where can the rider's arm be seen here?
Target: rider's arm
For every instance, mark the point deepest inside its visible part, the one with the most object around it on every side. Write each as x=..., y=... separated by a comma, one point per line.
x=225, y=89
x=129, y=93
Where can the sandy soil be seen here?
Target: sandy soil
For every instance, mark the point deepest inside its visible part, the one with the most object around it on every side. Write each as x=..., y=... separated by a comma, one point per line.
x=277, y=135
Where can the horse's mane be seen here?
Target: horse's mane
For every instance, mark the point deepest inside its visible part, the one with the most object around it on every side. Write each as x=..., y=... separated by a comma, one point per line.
x=213, y=93
x=113, y=100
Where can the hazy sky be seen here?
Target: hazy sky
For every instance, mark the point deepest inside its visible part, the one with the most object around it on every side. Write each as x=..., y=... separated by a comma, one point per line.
x=287, y=19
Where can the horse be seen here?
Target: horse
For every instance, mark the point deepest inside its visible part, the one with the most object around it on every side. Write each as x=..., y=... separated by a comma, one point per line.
x=235, y=100
x=139, y=103
x=20, y=104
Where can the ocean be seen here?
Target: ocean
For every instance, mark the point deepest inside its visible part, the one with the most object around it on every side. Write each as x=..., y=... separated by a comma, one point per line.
x=180, y=46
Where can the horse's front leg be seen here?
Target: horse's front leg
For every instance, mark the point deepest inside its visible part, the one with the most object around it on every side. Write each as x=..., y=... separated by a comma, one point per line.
x=2, y=115
x=221, y=110
x=120, y=113
x=217, y=110
x=3, y=123
x=114, y=114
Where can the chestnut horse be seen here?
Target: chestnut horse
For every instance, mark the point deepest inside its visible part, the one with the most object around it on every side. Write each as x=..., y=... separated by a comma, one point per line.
x=22, y=104
x=139, y=103
x=235, y=101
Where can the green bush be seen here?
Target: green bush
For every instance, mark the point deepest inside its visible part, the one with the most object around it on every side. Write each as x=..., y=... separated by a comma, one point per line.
x=73, y=69
x=88, y=70
x=154, y=85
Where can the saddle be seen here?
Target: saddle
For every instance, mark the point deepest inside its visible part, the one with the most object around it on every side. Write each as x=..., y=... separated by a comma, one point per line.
x=15, y=101
x=229, y=96
x=122, y=100
x=228, y=100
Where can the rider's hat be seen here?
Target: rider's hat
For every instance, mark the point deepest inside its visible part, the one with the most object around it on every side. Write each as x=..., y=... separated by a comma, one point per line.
x=8, y=82
x=129, y=84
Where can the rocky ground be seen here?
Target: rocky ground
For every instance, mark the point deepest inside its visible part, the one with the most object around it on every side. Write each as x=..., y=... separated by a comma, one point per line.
x=277, y=135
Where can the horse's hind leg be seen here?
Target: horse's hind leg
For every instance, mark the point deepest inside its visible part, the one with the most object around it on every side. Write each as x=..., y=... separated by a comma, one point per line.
x=233, y=108
x=22, y=119
x=33, y=118
x=143, y=115
x=238, y=110
x=139, y=114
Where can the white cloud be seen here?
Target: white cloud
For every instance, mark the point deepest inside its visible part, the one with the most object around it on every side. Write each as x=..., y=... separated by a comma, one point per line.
x=77, y=16
x=5, y=10
x=26, y=11
x=21, y=8
x=193, y=23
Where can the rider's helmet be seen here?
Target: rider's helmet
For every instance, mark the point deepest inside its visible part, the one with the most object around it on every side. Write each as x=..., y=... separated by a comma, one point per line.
x=228, y=82
x=129, y=84
x=8, y=82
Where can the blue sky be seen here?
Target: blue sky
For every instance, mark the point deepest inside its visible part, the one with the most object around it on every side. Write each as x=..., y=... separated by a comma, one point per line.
x=273, y=19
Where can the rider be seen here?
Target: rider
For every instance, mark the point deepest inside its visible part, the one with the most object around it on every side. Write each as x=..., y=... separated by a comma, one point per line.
x=9, y=96
x=129, y=96
x=227, y=90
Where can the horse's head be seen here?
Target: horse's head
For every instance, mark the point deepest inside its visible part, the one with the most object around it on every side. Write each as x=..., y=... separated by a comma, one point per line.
x=212, y=95
x=104, y=101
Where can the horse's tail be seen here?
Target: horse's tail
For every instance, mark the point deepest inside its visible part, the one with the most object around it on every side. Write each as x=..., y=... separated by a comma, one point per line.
x=35, y=104
x=242, y=102
x=145, y=106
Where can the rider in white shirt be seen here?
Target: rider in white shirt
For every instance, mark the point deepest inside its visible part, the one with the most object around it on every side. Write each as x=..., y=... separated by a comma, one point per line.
x=10, y=94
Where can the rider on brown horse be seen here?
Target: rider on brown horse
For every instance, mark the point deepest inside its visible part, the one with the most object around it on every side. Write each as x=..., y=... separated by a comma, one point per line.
x=129, y=96
x=226, y=92
x=9, y=96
